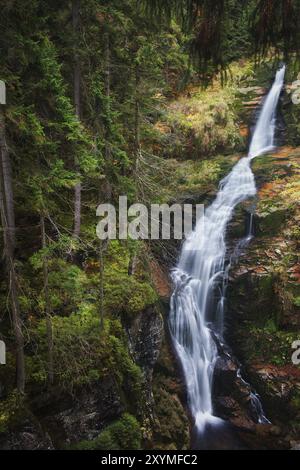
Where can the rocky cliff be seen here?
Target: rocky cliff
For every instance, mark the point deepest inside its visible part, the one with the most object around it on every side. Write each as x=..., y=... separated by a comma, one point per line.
x=263, y=294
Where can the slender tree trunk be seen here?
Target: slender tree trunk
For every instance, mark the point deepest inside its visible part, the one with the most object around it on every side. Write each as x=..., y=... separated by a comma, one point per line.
x=8, y=226
x=77, y=211
x=77, y=103
x=133, y=255
x=77, y=71
x=7, y=181
x=17, y=327
x=132, y=264
x=101, y=283
x=137, y=119
x=133, y=258
x=49, y=326
x=105, y=191
x=108, y=188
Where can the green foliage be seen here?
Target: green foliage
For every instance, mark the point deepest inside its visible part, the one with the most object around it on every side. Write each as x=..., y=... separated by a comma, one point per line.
x=270, y=345
x=12, y=411
x=193, y=176
x=83, y=353
x=203, y=124
x=124, y=434
x=296, y=301
x=125, y=294
x=68, y=283
x=133, y=73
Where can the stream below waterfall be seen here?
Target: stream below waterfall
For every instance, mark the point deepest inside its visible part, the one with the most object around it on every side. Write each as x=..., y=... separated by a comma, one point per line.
x=197, y=310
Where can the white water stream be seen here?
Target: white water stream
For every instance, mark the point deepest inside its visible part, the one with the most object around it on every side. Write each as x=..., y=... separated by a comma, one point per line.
x=202, y=266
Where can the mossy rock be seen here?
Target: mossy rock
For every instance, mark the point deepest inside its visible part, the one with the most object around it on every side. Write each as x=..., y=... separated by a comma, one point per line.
x=172, y=429
x=271, y=222
x=260, y=288
x=123, y=434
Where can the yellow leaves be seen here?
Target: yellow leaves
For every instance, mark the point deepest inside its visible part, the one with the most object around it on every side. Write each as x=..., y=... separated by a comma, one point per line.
x=292, y=191
x=162, y=127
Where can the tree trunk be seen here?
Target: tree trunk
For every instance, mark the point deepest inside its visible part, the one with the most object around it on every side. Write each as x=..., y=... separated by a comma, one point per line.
x=137, y=150
x=8, y=226
x=47, y=306
x=105, y=191
x=77, y=104
x=101, y=283
x=7, y=182
x=17, y=327
x=77, y=211
x=132, y=264
x=137, y=119
x=108, y=188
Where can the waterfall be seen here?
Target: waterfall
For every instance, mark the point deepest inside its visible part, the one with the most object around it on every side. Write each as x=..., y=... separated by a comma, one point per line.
x=263, y=137
x=194, y=312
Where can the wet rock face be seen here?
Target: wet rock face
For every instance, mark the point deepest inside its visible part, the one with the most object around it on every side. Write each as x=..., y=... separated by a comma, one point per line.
x=262, y=335
x=165, y=421
x=145, y=338
x=172, y=424
x=231, y=394
x=281, y=387
x=146, y=335
x=62, y=420
x=73, y=419
x=263, y=315
x=28, y=436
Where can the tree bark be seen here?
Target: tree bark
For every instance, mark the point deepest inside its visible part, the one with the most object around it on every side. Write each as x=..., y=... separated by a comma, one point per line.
x=49, y=326
x=77, y=104
x=77, y=211
x=132, y=264
x=137, y=119
x=7, y=181
x=108, y=188
x=8, y=227
x=105, y=191
x=101, y=284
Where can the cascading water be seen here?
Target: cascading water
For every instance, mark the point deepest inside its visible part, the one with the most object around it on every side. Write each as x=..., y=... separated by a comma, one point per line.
x=263, y=137
x=202, y=266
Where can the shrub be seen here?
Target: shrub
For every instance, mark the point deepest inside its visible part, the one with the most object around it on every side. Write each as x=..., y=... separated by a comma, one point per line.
x=83, y=353
x=124, y=434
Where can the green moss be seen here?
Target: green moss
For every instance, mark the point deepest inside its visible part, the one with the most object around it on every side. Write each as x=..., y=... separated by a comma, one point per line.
x=12, y=412
x=296, y=301
x=295, y=401
x=68, y=284
x=124, y=294
x=127, y=294
x=203, y=123
x=7, y=373
x=171, y=430
x=269, y=345
x=263, y=306
x=195, y=179
x=291, y=112
x=271, y=222
x=83, y=354
x=124, y=434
